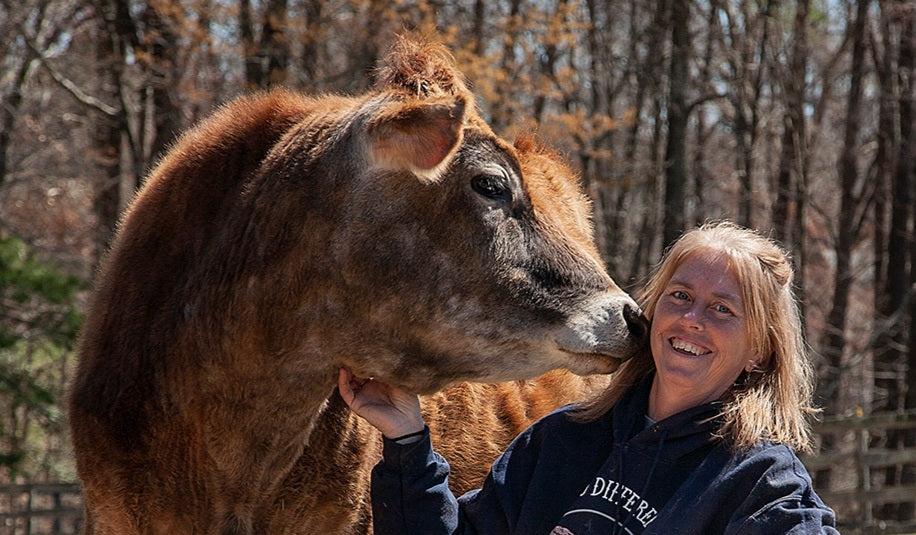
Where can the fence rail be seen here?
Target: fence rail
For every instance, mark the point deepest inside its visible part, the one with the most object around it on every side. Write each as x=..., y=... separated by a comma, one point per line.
x=40, y=508
x=856, y=454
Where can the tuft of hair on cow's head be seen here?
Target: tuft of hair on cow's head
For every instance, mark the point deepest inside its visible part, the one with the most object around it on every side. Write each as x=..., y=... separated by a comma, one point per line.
x=422, y=68
x=420, y=129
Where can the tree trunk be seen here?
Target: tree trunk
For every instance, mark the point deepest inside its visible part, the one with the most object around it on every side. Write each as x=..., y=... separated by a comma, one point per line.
x=676, y=149
x=900, y=279
x=645, y=254
x=890, y=244
x=903, y=226
x=114, y=35
x=10, y=109
x=595, y=180
x=275, y=44
x=253, y=77
x=163, y=77
x=502, y=110
x=785, y=207
x=903, y=220
x=846, y=230
x=312, y=41
x=647, y=85
x=547, y=60
x=480, y=13
x=703, y=131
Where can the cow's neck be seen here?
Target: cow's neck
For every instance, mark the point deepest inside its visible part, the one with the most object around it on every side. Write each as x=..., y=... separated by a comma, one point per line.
x=327, y=488
x=256, y=437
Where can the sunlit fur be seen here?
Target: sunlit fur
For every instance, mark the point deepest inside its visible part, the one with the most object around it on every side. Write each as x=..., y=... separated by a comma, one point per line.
x=287, y=236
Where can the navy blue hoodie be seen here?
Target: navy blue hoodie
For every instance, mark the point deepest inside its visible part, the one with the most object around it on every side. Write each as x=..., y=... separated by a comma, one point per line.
x=619, y=474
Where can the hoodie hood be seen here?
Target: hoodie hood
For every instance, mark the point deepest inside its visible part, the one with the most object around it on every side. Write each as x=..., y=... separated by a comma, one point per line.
x=684, y=431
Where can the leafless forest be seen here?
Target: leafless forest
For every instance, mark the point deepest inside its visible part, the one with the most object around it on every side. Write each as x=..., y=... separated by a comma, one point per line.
x=793, y=117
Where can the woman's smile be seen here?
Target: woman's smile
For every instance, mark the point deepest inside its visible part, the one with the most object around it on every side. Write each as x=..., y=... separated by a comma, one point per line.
x=688, y=347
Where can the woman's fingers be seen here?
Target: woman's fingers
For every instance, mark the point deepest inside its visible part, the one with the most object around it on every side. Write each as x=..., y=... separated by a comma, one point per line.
x=391, y=410
x=344, y=386
x=352, y=390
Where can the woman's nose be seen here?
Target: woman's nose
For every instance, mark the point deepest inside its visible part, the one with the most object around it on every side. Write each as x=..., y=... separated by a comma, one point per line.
x=693, y=317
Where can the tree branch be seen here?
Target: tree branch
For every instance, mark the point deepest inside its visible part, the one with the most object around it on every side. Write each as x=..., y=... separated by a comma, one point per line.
x=67, y=84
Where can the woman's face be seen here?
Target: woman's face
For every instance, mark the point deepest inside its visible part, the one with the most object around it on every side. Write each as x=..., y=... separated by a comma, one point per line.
x=699, y=336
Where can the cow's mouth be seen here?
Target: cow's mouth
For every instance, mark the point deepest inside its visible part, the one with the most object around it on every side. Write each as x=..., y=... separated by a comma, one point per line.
x=592, y=363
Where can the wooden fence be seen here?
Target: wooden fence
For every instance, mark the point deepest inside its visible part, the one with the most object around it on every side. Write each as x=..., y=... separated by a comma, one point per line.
x=42, y=508
x=856, y=454
x=852, y=449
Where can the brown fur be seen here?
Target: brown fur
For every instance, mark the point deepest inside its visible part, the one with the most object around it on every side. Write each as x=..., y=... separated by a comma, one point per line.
x=287, y=236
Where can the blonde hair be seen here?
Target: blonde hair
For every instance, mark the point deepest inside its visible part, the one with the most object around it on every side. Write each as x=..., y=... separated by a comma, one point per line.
x=773, y=401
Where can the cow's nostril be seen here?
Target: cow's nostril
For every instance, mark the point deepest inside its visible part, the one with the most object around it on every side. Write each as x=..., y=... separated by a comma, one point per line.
x=637, y=323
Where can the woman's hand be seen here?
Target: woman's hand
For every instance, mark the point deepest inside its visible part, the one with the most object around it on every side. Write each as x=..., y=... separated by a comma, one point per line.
x=391, y=410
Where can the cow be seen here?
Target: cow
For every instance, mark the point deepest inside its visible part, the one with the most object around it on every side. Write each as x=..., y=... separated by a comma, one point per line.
x=287, y=236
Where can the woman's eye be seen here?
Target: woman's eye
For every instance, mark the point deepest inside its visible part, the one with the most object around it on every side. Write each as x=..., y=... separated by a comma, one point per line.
x=722, y=309
x=492, y=186
x=678, y=294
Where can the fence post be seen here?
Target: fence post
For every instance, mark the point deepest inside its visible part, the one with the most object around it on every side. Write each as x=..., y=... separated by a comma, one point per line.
x=58, y=503
x=863, y=474
x=28, y=509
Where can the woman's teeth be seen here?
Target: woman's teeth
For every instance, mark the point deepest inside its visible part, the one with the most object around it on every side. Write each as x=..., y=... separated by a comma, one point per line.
x=687, y=346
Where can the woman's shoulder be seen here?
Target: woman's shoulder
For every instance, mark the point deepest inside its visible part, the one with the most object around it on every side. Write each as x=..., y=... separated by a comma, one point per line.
x=569, y=418
x=563, y=426
x=558, y=443
x=763, y=489
x=771, y=456
x=781, y=490
x=772, y=472
x=761, y=474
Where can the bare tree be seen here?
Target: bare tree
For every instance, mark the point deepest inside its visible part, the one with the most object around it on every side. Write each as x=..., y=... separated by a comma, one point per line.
x=648, y=90
x=851, y=211
x=253, y=78
x=890, y=244
x=788, y=216
x=107, y=135
x=274, y=44
x=267, y=59
x=312, y=40
x=787, y=205
x=900, y=273
x=745, y=40
x=676, y=148
x=903, y=224
x=500, y=116
x=31, y=30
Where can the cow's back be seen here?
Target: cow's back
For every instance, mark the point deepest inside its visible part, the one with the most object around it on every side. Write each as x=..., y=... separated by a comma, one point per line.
x=121, y=400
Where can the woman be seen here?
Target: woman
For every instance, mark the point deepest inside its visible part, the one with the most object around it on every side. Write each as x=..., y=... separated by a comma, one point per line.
x=696, y=436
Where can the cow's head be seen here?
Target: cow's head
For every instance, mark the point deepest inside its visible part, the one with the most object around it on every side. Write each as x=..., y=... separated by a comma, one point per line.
x=457, y=255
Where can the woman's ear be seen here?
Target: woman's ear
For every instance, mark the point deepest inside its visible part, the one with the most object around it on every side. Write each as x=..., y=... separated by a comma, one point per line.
x=757, y=363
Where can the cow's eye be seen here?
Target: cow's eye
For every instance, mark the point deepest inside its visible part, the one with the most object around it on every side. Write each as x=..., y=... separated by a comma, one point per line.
x=492, y=186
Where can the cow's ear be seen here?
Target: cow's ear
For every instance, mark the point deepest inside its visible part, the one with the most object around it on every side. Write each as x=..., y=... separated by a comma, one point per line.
x=420, y=136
